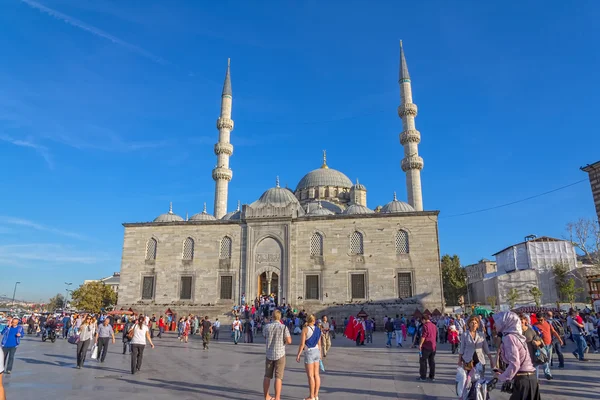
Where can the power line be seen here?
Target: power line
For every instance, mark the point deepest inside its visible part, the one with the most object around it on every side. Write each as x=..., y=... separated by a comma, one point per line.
x=514, y=202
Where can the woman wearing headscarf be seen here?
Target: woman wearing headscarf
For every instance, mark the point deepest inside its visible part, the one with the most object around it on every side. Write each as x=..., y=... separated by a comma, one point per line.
x=514, y=352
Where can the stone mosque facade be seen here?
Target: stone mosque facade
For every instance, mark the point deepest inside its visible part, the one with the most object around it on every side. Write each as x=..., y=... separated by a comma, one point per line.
x=318, y=247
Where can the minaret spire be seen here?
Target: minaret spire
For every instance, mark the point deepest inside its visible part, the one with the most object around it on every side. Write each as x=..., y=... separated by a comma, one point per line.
x=412, y=163
x=170, y=207
x=324, y=166
x=222, y=174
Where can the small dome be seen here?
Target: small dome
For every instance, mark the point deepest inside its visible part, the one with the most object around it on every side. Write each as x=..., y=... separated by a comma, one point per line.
x=358, y=186
x=233, y=215
x=396, y=206
x=313, y=205
x=277, y=197
x=357, y=209
x=203, y=216
x=318, y=210
x=168, y=217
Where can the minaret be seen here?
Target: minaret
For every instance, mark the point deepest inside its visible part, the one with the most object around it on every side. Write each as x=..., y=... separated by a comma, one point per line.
x=223, y=149
x=411, y=164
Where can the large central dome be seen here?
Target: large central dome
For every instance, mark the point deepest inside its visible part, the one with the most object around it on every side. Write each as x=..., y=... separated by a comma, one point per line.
x=324, y=177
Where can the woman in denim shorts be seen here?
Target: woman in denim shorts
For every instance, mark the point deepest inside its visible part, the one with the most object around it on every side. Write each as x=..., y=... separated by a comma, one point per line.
x=312, y=355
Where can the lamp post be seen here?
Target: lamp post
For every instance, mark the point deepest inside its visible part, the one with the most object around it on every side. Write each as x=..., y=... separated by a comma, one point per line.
x=14, y=293
x=67, y=296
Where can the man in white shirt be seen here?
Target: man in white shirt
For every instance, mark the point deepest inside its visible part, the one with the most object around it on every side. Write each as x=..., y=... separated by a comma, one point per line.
x=236, y=327
x=216, y=327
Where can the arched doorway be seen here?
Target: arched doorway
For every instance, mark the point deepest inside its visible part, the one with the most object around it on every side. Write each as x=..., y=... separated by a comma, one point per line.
x=268, y=283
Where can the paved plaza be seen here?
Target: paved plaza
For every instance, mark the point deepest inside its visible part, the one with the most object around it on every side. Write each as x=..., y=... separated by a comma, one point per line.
x=184, y=371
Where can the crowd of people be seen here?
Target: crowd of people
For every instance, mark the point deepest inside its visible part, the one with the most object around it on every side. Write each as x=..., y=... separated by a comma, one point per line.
x=516, y=347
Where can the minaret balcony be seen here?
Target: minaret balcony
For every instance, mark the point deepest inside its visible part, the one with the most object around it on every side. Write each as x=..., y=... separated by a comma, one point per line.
x=407, y=109
x=221, y=173
x=224, y=123
x=224, y=148
x=411, y=162
x=410, y=136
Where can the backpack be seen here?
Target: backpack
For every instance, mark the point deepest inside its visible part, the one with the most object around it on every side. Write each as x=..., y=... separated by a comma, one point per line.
x=314, y=339
x=558, y=327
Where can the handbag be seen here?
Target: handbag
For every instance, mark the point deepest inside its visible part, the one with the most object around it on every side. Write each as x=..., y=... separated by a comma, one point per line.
x=130, y=333
x=73, y=339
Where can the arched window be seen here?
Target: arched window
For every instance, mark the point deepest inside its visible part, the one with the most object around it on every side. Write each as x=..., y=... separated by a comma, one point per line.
x=402, y=242
x=316, y=245
x=225, y=251
x=151, y=249
x=356, y=243
x=188, y=249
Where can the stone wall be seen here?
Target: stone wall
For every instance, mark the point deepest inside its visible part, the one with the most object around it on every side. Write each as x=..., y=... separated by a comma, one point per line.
x=282, y=246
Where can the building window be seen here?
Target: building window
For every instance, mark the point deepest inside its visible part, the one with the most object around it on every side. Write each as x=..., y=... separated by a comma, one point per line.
x=404, y=285
x=188, y=249
x=227, y=287
x=357, y=288
x=151, y=249
x=316, y=245
x=356, y=243
x=312, y=287
x=185, y=291
x=225, y=251
x=147, y=287
x=402, y=242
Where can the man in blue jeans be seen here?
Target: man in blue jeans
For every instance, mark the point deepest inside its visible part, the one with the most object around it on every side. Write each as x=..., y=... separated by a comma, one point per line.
x=11, y=338
x=389, y=329
x=578, y=332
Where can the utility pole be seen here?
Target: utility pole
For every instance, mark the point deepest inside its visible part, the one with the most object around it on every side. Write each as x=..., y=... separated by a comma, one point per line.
x=14, y=293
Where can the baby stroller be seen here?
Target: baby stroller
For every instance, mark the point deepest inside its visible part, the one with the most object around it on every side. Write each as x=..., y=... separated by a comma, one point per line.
x=473, y=386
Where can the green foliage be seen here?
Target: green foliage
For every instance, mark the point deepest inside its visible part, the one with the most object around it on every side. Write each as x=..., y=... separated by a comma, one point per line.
x=93, y=296
x=56, y=302
x=537, y=295
x=454, y=280
x=512, y=296
x=492, y=302
x=569, y=291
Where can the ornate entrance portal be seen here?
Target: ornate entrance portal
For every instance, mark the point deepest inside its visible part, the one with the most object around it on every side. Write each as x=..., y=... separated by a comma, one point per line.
x=268, y=283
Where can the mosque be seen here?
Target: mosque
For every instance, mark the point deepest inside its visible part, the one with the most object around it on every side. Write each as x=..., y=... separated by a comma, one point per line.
x=316, y=247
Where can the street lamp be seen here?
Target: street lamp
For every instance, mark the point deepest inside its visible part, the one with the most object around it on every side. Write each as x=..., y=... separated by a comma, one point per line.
x=67, y=296
x=14, y=293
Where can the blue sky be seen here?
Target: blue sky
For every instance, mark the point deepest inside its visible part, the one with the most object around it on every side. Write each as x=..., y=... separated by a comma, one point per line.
x=108, y=109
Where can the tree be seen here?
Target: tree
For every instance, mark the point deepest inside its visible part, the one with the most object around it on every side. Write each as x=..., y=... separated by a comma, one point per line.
x=561, y=277
x=537, y=295
x=492, y=302
x=512, y=296
x=454, y=280
x=93, y=296
x=57, y=302
x=569, y=291
x=585, y=235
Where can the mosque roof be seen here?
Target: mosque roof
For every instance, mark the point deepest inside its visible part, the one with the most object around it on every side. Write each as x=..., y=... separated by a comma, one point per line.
x=334, y=208
x=203, y=216
x=168, y=217
x=234, y=215
x=357, y=209
x=324, y=176
x=396, y=206
x=318, y=210
x=277, y=197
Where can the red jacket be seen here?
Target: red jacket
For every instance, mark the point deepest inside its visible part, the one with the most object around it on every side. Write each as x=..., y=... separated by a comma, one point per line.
x=453, y=337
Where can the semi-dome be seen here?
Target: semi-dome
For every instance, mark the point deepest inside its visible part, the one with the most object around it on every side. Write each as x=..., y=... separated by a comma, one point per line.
x=233, y=215
x=203, y=216
x=357, y=209
x=334, y=208
x=318, y=210
x=277, y=197
x=324, y=176
x=168, y=217
x=396, y=206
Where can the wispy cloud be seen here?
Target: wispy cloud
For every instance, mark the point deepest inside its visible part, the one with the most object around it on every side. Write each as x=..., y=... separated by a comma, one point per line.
x=39, y=227
x=29, y=143
x=95, y=31
x=51, y=253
